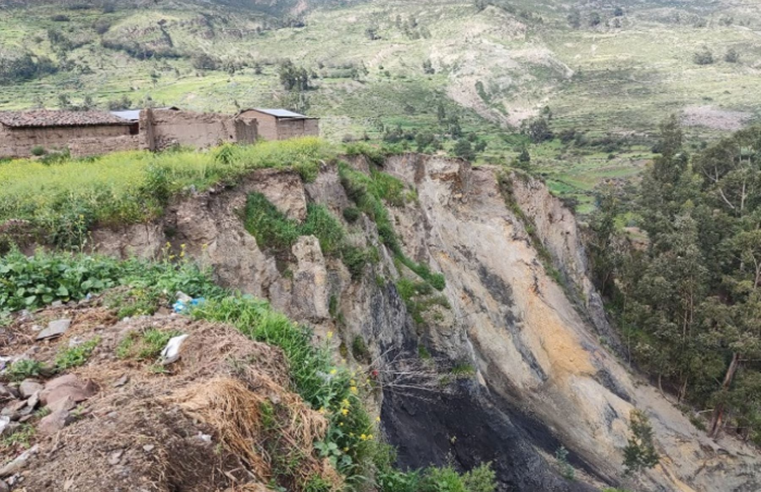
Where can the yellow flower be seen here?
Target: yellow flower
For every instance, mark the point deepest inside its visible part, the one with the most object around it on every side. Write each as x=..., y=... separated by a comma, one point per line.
x=363, y=437
x=351, y=434
x=321, y=410
x=330, y=335
x=345, y=403
x=353, y=389
x=333, y=371
x=346, y=450
x=345, y=411
x=370, y=436
x=377, y=419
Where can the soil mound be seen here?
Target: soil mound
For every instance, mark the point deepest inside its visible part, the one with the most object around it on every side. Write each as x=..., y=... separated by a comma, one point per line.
x=219, y=418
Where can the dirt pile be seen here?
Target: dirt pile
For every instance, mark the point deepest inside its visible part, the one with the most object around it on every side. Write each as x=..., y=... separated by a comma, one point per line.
x=218, y=418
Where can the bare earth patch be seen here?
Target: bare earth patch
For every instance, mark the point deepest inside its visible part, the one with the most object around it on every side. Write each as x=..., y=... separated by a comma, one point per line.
x=714, y=118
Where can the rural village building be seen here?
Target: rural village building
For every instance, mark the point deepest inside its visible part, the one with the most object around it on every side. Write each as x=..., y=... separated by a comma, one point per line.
x=87, y=133
x=22, y=131
x=281, y=124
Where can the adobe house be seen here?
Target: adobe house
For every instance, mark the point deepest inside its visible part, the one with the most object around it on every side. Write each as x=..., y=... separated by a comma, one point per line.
x=167, y=127
x=281, y=124
x=22, y=131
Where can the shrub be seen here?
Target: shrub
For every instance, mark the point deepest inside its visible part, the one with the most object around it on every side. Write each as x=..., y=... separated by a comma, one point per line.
x=640, y=451
x=351, y=214
x=38, y=150
x=703, y=57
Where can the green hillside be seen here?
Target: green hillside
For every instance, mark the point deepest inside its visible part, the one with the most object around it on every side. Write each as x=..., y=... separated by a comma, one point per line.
x=603, y=75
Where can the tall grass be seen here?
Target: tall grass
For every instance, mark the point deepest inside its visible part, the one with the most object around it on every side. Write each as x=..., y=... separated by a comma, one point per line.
x=131, y=187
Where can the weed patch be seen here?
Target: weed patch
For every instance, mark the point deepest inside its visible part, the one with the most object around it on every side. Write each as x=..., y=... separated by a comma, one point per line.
x=75, y=356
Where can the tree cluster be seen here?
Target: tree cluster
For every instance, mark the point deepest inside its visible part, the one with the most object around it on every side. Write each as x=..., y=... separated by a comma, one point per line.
x=293, y=78
x=690, y=300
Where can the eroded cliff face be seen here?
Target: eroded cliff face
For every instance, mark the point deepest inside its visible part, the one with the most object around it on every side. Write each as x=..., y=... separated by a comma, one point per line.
x=542, y=378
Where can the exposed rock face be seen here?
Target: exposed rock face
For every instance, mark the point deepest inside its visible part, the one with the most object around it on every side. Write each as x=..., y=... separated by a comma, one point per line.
x=542, y=379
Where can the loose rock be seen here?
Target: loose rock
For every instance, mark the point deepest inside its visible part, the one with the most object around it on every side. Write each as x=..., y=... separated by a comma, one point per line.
x=54, y=422
x=68, y=385
x=19, y=463
x=55, y=329
x=115, y=457
x=121, y=381
x=28, y=388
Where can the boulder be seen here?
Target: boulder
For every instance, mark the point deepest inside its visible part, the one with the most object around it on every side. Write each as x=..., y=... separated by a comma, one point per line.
x=54, y=422
x=67, y=386
x=28, y=388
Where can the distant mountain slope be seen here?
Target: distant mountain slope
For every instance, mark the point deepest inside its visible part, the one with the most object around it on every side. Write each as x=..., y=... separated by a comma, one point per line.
x=601, y=73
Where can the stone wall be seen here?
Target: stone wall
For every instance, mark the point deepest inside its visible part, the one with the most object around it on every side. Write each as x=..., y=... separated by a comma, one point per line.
x=164, y=128
x=19, y=142
x=86, y=147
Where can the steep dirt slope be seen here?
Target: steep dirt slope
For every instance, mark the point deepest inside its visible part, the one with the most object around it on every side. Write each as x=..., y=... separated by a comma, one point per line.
x=540, y=379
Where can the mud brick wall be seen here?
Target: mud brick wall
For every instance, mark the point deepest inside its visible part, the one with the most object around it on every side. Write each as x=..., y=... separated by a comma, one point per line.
x=86, y=147
x=164, y=128
x=19, y=142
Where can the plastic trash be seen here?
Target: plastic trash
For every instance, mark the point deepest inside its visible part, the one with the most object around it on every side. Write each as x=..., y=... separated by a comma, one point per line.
x=171, y=352
x=184, y=305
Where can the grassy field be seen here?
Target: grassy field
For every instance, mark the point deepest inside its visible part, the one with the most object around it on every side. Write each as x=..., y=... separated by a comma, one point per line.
x=493, y=69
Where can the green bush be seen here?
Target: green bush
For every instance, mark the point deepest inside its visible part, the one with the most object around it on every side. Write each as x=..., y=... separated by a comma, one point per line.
x=351, y=214
x=38, y=150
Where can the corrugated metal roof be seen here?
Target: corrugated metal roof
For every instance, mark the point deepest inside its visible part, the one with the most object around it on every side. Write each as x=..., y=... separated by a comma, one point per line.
x=127, y=114
x=280, y=113
x=47, y=118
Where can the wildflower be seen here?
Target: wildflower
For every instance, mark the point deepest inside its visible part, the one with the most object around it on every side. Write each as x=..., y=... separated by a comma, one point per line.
x=369, y=437
x=345, y=411
x=363, y=437
x=351, y=434
x=346, y=450
x=321, y=410
x=345, y=403
x=333, y=372
x=330, y=335
x=377, y=419
x=353, y=389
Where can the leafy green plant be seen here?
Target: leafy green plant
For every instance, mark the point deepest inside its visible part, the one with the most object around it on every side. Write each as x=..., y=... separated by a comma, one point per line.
x=25, y=368
x=75, y=356
x=21, y=436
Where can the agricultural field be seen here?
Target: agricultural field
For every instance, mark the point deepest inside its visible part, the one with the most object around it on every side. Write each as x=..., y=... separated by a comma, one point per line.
x=608, y=72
